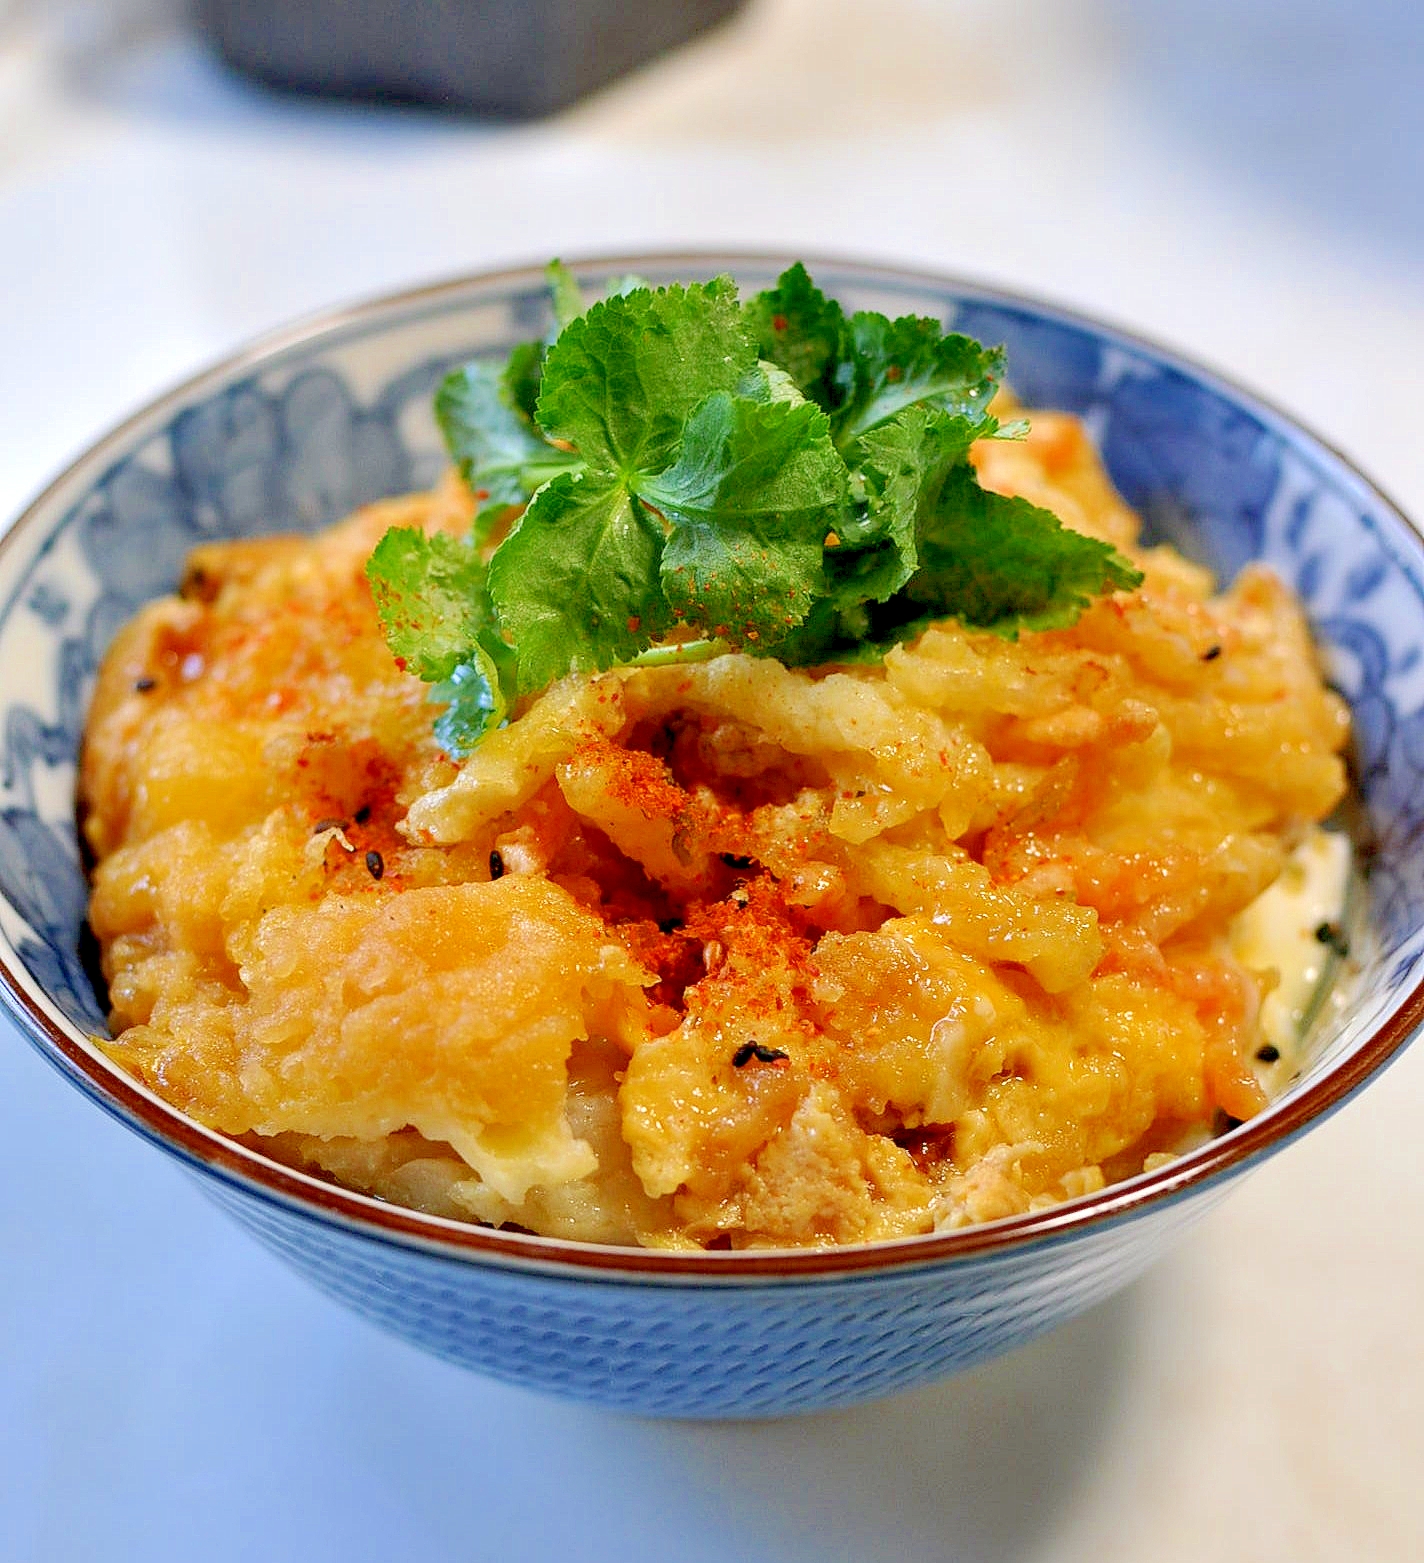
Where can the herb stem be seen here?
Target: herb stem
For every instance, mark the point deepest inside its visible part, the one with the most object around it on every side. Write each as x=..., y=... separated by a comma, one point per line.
x=535, y=473
x=684, y=651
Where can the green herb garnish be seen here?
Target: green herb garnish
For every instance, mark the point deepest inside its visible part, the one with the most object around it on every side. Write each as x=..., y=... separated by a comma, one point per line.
x=687, y=473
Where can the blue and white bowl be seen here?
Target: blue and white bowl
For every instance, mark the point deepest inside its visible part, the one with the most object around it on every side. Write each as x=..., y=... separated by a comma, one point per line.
x=300, y=429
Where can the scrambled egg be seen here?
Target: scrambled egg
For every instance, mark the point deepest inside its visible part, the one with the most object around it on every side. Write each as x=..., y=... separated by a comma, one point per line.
x=724, y=955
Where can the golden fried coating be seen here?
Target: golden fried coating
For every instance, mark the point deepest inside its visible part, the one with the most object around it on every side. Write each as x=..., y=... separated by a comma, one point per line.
x=715, y=955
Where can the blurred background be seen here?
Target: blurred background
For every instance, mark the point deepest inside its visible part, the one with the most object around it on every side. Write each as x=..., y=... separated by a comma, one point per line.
x=1240, y=179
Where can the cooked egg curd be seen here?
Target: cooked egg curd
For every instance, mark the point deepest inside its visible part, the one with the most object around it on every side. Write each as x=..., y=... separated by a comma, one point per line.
x=724, y=955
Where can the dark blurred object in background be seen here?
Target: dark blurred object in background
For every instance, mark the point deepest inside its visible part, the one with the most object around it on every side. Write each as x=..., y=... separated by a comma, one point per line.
x=510, y=58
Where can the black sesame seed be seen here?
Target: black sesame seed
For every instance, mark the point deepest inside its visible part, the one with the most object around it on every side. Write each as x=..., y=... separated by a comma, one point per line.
x=375, y=864
x=1329, y=934
x=1268, y=1053
x=496, y=866
x=143, y=685
x=756, y=1050
x=362, y=814
x=1211, y=653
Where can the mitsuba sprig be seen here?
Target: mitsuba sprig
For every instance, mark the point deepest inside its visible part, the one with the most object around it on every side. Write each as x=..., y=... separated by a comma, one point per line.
x=679, y=473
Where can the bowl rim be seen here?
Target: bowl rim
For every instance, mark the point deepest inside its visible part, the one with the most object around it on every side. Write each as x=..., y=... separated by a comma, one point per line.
x=249, y=1171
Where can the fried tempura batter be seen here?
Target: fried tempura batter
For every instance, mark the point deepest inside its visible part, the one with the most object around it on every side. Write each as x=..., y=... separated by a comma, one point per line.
x=714, y=955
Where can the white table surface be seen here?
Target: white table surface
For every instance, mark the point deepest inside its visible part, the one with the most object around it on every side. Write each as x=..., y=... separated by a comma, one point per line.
x=1243, y=181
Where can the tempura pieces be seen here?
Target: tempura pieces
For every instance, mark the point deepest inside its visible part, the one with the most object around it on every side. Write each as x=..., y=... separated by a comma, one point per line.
x=709, y=955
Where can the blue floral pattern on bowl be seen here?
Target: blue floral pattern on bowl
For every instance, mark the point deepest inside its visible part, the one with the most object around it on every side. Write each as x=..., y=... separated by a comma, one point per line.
x=302, y=430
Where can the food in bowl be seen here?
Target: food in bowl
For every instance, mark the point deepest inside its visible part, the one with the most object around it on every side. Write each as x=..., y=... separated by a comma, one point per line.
x=818, y=842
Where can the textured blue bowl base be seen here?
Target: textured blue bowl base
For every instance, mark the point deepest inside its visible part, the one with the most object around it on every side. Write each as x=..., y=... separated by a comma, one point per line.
x=708, y=1350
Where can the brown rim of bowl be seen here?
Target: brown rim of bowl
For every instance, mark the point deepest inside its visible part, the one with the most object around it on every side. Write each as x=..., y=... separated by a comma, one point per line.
x=235, y=1164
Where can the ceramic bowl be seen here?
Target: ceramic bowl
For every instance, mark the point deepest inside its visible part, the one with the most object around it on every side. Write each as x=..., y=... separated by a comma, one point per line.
x=297, y=430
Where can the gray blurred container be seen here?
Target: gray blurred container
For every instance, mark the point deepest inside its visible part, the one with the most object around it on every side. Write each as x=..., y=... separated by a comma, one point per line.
x=505, y=58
